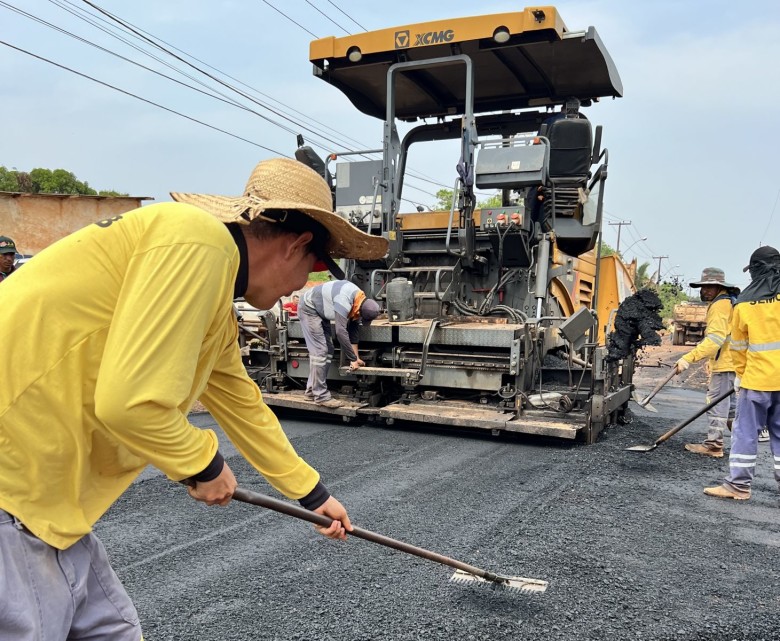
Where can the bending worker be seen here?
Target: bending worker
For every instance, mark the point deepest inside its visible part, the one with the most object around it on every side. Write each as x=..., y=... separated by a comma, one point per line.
x=714, y=347
x=112, y=370
x=345, y=303
x=755, y=348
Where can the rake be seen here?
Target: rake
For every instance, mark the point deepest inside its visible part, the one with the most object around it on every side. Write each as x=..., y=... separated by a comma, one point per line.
x=465, y=573
x=679, y=426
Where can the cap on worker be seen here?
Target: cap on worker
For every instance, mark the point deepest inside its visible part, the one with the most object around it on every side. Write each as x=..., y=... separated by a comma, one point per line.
x=369, y=310
x=7, y=246
x=713, y=276
x=283, y=184
x=763, y=255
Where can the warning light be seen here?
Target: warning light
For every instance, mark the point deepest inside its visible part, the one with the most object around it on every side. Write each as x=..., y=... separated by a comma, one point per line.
x=295, y=364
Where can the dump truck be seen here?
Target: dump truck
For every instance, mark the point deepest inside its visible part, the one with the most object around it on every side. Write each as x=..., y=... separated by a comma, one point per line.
x=689, y=321
x=495, y=315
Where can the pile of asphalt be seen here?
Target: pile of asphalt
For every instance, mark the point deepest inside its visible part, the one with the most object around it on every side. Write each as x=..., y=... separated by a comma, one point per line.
x=636, y=325
x=631, y=547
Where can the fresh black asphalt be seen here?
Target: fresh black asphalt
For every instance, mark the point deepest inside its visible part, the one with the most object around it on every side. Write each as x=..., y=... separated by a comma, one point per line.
x=631, y=546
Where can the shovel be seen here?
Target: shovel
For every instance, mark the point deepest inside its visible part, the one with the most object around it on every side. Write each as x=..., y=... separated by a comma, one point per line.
x=645, y=402
x=465, y=573
x=679, y=426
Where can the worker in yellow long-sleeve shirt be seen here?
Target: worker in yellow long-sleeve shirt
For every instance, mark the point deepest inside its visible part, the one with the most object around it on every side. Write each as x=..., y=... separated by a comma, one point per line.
x=715, y=347
x=755, y=335
x=121, y=327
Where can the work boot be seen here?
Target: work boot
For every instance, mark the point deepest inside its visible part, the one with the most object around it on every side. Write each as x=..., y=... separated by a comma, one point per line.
x=727, y=492
x=706, y=450
x=331, y=403
x=308, y=395
x=763, y=435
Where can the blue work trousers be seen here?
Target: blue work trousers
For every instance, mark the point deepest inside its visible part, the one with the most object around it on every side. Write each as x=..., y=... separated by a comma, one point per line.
x=755, y=410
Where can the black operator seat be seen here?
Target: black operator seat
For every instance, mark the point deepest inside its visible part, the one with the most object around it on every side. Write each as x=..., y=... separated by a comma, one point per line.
x=571, y=145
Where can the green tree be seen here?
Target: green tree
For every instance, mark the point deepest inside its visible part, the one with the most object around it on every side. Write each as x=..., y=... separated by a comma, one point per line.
x=671, y=293
x=8, y=180
x=46, y=181
x=59, y=181
x=607, y=249
x=444, y=199
x=490, y=203
x=642, y=277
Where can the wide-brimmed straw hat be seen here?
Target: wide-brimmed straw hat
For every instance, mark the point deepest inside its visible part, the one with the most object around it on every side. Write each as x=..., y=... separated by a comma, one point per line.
x=286, y=184
x=713, y=276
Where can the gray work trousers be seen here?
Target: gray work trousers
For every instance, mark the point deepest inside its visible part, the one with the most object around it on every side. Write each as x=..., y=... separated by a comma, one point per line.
x=755, y=410
x=48, y=594
x=319, y=342
x=720, y=382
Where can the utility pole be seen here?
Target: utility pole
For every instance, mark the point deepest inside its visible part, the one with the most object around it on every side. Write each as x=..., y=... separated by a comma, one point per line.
x=660, y=258
x=620, y=227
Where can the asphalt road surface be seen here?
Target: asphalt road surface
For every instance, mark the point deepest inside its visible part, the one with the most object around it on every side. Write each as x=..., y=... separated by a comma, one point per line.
x=631, y=546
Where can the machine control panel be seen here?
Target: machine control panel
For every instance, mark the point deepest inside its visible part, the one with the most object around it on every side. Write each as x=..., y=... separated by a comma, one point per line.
x=503, y=218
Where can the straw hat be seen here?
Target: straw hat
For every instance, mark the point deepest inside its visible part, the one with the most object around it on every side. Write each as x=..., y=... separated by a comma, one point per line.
x=283, y=183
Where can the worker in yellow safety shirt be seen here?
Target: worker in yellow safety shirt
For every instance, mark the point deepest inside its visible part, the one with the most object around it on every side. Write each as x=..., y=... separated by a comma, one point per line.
x=109, y=337
x=755, y=349
x=715, y=347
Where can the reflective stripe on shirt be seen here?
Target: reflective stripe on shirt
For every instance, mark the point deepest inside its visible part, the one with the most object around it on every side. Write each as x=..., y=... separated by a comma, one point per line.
x=763, y=347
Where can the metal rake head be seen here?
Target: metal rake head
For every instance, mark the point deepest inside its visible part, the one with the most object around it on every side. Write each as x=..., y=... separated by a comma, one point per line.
x=502, y=582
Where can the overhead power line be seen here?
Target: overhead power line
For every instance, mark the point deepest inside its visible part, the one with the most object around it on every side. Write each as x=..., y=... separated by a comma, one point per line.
x=137, y=97
x=205, y=73
x=88, y=18
x=152, y=39
x=216, y=95
x=327, y=17
x=348, y=16
x=771, y=216
x=290, y=19
x=224, y=99
x=133, y=31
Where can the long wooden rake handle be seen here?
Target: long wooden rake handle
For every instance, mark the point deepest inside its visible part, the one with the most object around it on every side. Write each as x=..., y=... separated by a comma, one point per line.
x=255, y=498
x=691, y=419
x=658, y=387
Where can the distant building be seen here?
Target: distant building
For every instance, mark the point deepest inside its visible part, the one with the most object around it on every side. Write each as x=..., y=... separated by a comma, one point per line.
x=35, y=221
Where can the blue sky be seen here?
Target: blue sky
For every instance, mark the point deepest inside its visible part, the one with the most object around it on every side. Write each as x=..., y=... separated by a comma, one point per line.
x=692, y=144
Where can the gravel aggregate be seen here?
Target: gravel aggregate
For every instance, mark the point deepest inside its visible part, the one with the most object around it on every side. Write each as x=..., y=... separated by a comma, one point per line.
x=631, y=546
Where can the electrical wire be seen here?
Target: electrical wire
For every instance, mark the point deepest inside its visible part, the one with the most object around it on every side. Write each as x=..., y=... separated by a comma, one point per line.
x=219, y=96
x=327, y=17
x=205, y=73
x=348, y=16
x=137, y=32
x=290, y=19
x=137, y=97
x=61, y=3
x=771, y=216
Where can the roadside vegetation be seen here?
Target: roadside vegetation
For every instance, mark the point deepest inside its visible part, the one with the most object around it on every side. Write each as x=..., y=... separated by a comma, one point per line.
x=48, y=181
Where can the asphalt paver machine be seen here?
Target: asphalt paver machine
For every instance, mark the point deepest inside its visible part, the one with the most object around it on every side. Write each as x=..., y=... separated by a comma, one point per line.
x=495, y=314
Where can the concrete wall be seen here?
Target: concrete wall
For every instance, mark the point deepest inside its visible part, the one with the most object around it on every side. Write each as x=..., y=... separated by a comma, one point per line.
x=35, y=221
